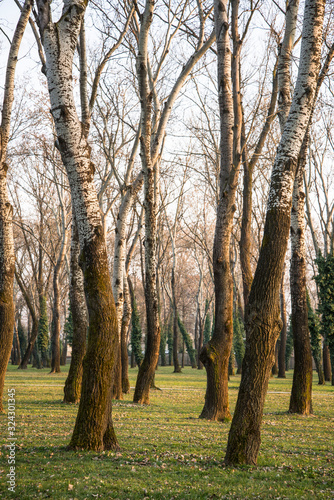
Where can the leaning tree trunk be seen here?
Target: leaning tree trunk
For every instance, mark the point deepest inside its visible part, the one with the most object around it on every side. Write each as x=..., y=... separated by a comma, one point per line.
x=93, y=428
x=7, y=257
x=301, y=393
x=264, y=324
x=72, y=389
x=215, y=354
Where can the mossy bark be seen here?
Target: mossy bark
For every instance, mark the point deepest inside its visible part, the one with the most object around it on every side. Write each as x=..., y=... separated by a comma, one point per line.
x=93, y=428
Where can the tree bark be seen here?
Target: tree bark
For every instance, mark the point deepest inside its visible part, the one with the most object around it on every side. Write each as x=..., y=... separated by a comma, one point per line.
x=282, y=344
x=301, y=394
x=147, y=367
x=93, y=428
x=263, y=323
x=215, y=354
x=327, y=363
x=124, y=338
x=7, y=257
x=72, y=389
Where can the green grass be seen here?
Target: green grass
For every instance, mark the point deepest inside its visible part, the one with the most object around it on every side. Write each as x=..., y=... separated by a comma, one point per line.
x=166, y=451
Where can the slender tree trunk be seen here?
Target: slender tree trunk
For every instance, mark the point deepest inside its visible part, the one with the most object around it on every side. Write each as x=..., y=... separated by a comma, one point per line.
x=216, y=353
x=264, y=324
x=124, y=338
x=282, y=344
x=72, y=389
x=327, y=363
x=301, y=394
x=55, y=337
x=177, y=368
x=7, y=257
x=147, y=368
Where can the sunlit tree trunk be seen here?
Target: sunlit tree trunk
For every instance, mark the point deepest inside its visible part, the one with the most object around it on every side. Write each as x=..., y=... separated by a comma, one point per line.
x=264, y=323
x=7, y=257
x=93, y=428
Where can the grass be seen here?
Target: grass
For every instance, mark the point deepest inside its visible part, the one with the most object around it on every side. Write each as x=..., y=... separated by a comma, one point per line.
x=166, y=451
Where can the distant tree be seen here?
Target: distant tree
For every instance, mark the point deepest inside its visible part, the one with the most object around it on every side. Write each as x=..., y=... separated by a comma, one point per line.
x=325, y=282
x=316, y=341
x=68, y=327
x=207, y=328
x=289, y=345
x=188, y=343
x=22, y=337
x=43, y=339
x=136, y=332
x=238, y=340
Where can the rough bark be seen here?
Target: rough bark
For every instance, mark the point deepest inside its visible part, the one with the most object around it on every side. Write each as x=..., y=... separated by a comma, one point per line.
x=72, y=389
x=263, y=323
x=215, y=354
x=93, y=428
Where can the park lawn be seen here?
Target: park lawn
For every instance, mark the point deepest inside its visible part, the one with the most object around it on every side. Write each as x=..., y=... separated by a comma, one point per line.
x=166, y=451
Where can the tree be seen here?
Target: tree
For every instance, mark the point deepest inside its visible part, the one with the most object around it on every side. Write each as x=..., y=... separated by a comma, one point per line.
x=325, y=282
x=79, y=316
x=263, y=318
x=43, y=339
x=7, y=257
x=93, y=428
x=314, y=328
x=238, y=340
x=215, y=354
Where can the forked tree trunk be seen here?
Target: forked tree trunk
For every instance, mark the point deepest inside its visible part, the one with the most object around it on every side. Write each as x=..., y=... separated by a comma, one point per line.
x=72, y=389
x=7, y=257
x=215, y=354
x=263, y=323
x=93, y=428
x=301, y=394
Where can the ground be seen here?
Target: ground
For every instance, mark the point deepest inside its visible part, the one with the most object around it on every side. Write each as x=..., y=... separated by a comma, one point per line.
x=166, y=451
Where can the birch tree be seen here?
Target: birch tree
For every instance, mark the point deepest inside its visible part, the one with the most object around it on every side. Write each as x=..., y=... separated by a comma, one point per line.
x=264, y=324
x=7, y=257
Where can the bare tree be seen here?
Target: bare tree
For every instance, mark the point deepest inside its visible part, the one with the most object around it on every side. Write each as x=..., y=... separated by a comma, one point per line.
x=263, y=320
x=7, y=257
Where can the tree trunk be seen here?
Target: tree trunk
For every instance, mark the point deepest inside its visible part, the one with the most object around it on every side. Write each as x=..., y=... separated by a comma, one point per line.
x=7, y=257
x=216, y=353
x=327, y=363
x=274, y=369
x=55, y=336
x=301, y=394
x=93, y=428
x=282, y=344
x=72, y=389
x=263, y=323
x=177, y=368
x=124, y=338
x=147, y=367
